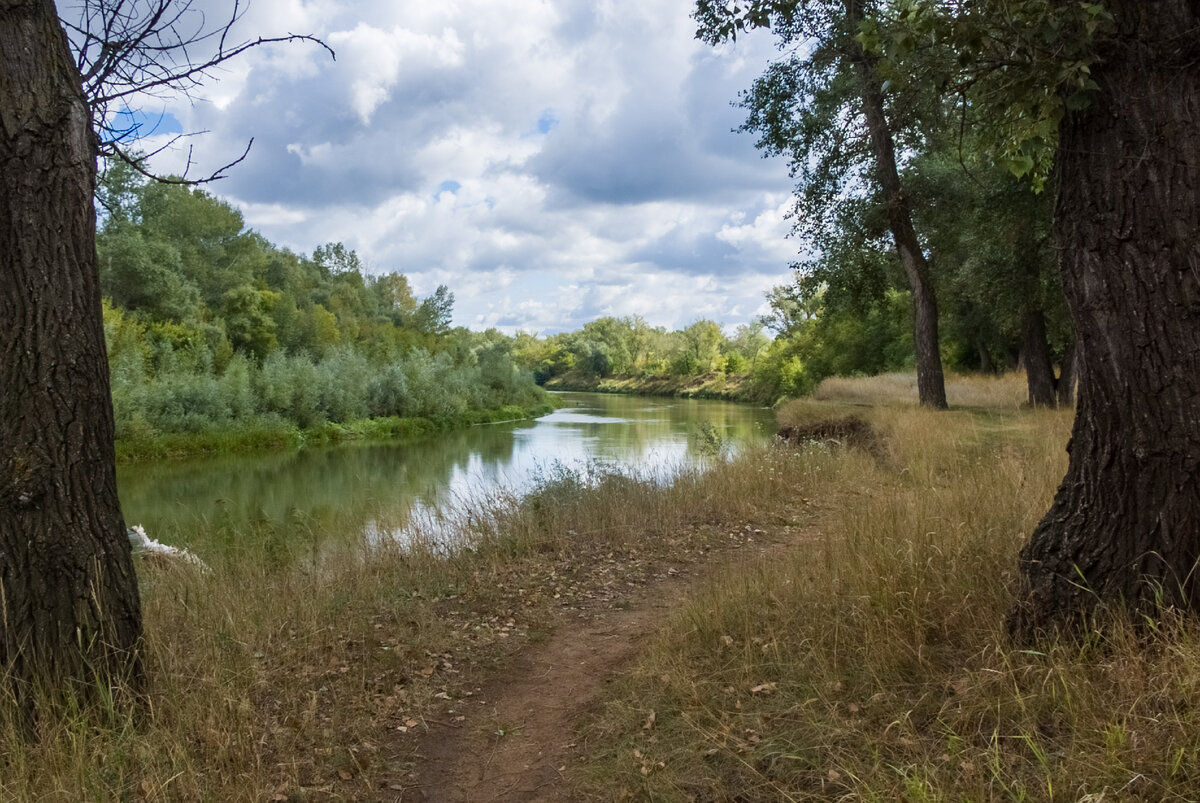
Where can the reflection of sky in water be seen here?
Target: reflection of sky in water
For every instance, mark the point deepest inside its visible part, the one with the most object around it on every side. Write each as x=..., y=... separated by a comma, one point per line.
x=381, y=488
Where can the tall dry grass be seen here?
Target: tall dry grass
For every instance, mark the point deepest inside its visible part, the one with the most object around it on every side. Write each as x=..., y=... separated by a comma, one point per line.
x=870, y=662
x=999, y=391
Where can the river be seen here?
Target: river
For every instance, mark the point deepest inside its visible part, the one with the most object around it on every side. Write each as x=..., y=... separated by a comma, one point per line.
x=380, y=487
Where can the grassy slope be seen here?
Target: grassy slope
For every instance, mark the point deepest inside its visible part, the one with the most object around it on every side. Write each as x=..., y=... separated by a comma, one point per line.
x=873, y=663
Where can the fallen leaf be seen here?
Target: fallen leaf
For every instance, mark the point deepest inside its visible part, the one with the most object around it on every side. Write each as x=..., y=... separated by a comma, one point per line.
x=763, y=688
x=650, y=721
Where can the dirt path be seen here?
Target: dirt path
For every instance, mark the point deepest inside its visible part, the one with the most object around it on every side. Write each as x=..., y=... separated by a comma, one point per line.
x=516, y=741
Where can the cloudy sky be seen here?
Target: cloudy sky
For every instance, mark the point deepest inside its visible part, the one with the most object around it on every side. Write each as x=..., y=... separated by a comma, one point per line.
x=551, y=161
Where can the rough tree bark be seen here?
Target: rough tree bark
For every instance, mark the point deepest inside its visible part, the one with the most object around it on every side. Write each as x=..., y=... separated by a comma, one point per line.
x=931, y=383
x=1125, y=524
x=69, y=607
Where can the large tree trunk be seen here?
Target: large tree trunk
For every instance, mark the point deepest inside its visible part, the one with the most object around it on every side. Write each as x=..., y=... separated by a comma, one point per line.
x=69, y=607
x=931, y=384
x=1125, y=524
x=1039, y=365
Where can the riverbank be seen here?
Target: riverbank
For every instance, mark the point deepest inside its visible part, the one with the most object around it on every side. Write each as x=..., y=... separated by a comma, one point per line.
x=814, y=621
x=265, y=437
x=720, y=386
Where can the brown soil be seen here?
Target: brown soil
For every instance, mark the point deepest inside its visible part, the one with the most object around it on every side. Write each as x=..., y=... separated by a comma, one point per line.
x=513, y=740
x=516, y=742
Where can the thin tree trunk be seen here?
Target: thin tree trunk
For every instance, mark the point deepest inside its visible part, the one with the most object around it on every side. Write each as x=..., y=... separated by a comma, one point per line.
x=1039, y=367
x=931, y=384
x=985, y=357
x=69, y=607
x=1125, y=524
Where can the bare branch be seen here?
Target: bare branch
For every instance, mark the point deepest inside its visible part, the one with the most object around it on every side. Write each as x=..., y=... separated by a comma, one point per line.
x=153, y=48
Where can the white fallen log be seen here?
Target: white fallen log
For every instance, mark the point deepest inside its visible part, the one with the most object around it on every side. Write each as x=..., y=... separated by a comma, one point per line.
x=145, y=544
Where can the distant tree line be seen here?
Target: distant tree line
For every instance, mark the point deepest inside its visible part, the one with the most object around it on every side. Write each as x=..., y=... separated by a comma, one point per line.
x=211, y=327
x=848, y=311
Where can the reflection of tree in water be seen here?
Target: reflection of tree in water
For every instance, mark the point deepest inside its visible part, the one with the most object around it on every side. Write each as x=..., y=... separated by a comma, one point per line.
x=257, y=500
x=650, y=422
x=339, y=488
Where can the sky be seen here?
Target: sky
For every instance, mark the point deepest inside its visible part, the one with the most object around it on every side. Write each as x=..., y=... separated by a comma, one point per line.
x=550, y=161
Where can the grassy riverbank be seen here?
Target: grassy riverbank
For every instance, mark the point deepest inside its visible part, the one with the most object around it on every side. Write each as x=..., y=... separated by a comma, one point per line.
x=865, y=658
x=260, y=436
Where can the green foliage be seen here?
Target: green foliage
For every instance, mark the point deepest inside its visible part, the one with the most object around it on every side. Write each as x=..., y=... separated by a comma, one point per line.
x=213, y=330
x=824, y=340
x=1014, y=67
x=973, y=94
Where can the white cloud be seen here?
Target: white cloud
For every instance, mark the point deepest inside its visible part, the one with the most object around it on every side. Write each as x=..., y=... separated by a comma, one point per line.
x=374, y=60
x=548, y=160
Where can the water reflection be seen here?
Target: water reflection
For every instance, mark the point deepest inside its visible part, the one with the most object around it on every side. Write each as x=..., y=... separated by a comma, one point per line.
x=358, y=488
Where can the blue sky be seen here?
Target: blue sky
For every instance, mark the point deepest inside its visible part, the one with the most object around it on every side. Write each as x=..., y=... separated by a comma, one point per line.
x=551, y=161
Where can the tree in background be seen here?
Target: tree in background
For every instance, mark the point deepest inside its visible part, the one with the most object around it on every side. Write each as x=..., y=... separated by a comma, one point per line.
x=993, y=243
x=828, y=107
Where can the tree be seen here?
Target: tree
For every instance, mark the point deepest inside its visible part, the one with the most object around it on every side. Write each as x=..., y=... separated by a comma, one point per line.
x=1124, y=524
x=69, y=604
x=70, y=598
x=991, y=238
x=1106, y=93
x=838, y=78
x=434, y=313
x=396, y=301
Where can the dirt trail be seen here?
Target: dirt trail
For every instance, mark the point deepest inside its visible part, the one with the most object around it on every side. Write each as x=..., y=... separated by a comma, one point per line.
x=516, y=741
x=517, y=738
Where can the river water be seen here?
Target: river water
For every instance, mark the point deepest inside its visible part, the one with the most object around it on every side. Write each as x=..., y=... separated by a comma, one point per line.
x=380, y=487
